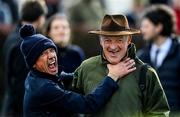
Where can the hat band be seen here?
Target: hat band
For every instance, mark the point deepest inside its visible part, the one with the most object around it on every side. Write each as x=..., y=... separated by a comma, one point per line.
x=113, y=28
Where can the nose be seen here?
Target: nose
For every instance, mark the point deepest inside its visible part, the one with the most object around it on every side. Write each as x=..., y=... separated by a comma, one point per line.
x=50, y=54
x=113, y=45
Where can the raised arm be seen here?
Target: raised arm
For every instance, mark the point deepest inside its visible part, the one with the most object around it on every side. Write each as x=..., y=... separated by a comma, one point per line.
x=92, y=102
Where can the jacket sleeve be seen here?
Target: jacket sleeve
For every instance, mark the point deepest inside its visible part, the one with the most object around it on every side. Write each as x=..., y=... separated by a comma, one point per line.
x=155, y=99
x=77, y=84
x=74, y=102
x=67, y=79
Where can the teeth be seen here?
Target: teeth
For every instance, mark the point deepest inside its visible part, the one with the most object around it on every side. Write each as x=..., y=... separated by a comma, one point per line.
x=52, y=62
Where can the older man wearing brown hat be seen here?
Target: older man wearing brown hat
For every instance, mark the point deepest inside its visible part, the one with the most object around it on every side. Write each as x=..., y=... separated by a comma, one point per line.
x=140, y=93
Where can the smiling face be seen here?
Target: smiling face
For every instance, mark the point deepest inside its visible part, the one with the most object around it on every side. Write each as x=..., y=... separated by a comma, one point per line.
x=60, y=31
x=115, y=48
x=47, y=62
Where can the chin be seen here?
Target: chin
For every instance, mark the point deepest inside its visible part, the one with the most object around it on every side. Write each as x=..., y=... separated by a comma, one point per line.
x=146, y=38
x=53, y=73
x=114, y=62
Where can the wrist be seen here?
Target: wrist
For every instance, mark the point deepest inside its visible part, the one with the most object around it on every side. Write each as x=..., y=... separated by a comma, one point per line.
x=112, y=76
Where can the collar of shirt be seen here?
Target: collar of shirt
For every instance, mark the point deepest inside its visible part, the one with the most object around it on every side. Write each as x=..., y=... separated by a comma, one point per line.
x=164, y=49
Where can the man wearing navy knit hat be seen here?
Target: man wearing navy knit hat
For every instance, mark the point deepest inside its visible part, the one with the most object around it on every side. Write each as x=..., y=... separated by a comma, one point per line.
x=44, y=91
x=35, y=45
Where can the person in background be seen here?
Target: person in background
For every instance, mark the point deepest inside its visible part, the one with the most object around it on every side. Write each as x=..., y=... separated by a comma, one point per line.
x=45, y=95
x=32, y=12
x=69, y=56
x=131, y=100
x=54, y=6
x=8, y=18
x=85, y=16
x=163, y=51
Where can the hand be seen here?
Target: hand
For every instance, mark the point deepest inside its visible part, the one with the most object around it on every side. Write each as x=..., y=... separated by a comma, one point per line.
x=121, y=69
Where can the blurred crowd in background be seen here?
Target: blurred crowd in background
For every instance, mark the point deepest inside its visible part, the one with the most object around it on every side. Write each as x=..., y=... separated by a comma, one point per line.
x=77, y=17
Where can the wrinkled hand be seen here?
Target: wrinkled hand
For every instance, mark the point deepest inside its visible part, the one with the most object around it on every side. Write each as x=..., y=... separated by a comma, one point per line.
x=121, y=69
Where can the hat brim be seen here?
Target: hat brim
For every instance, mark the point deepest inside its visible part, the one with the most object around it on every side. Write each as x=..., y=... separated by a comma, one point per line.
x=115, y=33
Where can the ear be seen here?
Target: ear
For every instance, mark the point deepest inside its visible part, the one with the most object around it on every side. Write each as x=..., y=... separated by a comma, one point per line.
x=101, y=41
x=159, y=28
x=129, y=39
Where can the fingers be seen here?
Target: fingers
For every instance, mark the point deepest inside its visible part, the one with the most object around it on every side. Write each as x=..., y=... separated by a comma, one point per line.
x=130, y=64
x=126, y=60
x=121, y=69
x=127, y=63
x=131, y=69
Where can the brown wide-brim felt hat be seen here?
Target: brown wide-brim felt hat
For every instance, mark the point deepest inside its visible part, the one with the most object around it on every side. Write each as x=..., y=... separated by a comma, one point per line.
x=115, y=25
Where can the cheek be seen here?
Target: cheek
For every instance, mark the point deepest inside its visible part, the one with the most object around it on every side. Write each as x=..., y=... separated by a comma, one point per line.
x=54, y=36
x=53, y=33
x=148, y=33
x=146, y=28
x=123, y=45
x=41, y=64
x=124, y=48
x=68, y=33
x=150, y=30
x=105, y=48
x=123, y=51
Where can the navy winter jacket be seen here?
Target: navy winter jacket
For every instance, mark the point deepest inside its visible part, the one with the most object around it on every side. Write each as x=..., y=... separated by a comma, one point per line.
x=45, y=96
x=169, y=73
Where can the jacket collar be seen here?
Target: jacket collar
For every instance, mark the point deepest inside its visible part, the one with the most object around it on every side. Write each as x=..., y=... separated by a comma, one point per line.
x=38, y=74
x=171, y=52
x=131, y=53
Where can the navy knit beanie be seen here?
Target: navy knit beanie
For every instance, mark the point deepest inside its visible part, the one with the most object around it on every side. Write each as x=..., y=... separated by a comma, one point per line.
x=33, y=44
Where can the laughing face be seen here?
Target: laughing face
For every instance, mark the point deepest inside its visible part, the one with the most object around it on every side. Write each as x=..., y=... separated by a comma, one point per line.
x=115, y=48
x=47, y=62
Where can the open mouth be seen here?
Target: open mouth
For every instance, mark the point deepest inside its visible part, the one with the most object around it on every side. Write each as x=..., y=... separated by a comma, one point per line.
x=52, y=66
x=113, y=53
